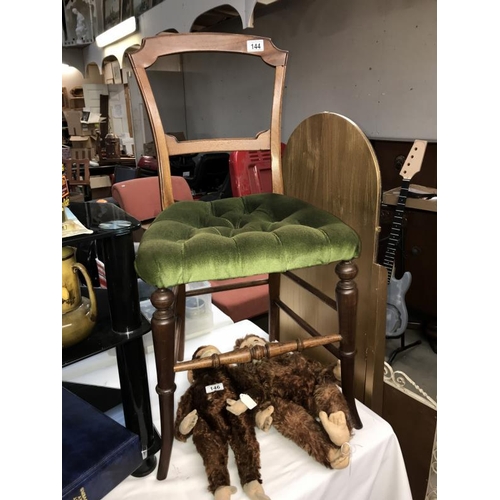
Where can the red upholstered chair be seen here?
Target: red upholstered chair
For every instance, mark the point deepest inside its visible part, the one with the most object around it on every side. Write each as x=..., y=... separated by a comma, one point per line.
x=243, y=304
x=140, y=198
x=250, y=172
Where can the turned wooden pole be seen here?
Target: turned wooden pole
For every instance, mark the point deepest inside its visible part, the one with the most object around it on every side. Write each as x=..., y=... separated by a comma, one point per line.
x=257, y=352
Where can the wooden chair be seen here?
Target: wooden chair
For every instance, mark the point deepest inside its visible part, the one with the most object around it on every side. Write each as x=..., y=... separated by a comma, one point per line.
x=265, y=233
x=78, y=177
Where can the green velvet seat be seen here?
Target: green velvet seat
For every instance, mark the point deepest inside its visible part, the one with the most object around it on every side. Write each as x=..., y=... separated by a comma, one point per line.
x=235, y=237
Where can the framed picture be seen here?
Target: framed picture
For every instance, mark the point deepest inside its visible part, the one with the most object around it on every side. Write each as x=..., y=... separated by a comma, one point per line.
x=111, y=13
x=141, y=6
x=127, y=9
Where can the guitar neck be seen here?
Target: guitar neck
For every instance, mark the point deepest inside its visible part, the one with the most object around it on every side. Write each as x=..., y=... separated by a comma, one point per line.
x=396, y=229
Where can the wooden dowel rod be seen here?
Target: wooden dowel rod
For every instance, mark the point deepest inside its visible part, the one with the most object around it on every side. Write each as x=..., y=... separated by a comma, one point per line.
x=247, y=354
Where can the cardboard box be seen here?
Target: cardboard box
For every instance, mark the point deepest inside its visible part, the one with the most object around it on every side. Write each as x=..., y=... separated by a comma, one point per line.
x=100, y=186
x=83, y=146
x=82, y=154
x=73, y=120
x=81, y=123
x=82, y=141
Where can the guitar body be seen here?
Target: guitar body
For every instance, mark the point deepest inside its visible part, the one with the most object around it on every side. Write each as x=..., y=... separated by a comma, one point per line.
x=396, y=312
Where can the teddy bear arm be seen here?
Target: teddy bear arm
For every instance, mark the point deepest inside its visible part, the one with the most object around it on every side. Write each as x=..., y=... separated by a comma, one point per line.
x=183, y=410
x=248, y=383
x=323, y=373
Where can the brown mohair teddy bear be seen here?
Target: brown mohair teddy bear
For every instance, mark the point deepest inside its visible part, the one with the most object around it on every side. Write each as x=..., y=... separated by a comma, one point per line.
x=291, y=392
x=201, y=414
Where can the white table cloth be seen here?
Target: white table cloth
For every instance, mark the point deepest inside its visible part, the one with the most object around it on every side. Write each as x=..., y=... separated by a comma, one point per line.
x=376, y=471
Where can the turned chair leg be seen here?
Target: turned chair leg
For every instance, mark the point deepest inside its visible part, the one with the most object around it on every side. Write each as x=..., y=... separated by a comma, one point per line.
x=163, y=329
x=347, y=303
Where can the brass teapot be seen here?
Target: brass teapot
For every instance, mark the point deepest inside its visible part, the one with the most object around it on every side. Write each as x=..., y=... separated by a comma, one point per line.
x=79, y=313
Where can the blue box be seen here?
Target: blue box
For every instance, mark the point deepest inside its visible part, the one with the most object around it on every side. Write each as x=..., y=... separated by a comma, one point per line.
x=97, y=452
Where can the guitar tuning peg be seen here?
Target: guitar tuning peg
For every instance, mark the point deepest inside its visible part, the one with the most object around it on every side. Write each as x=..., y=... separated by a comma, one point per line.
x=399, y=161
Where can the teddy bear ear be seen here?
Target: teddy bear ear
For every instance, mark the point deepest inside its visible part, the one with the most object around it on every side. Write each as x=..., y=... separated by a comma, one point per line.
x=195, y=354
x=238, y=342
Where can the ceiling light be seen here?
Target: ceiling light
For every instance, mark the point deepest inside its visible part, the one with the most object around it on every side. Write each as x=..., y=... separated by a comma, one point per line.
x=117, y=32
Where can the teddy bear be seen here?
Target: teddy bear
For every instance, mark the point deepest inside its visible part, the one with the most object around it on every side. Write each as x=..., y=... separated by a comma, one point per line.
x=201, y=413
x=292, y=392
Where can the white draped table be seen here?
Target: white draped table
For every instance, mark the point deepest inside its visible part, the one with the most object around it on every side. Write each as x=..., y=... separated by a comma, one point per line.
x=376, y=472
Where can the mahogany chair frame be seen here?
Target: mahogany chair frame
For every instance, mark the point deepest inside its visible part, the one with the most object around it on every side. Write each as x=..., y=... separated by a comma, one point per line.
x=167, y=323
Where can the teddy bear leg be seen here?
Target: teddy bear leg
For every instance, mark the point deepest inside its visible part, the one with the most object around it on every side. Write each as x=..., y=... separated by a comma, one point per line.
x=224, y=492
x=214, y=450
x=245, y=446
x=329, y=398
x=295, y=423
x=255, y=491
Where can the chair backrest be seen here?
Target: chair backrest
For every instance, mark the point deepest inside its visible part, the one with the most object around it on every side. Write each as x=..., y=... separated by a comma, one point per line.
x=178, y=43
x=78, y=176
x=250, y=172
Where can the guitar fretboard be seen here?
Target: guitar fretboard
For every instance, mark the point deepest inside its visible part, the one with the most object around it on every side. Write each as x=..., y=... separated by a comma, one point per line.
x=396, y=229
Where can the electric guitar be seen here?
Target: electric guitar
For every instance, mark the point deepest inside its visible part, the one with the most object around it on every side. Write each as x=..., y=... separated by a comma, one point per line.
x=396, y=312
